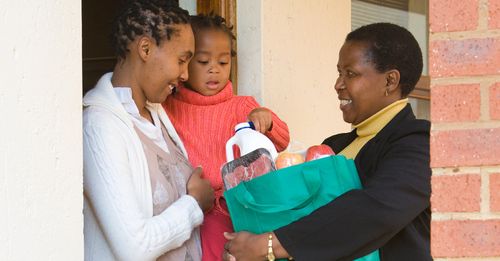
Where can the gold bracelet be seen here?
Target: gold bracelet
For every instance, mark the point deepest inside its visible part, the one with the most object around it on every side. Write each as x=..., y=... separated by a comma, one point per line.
x=270, y=253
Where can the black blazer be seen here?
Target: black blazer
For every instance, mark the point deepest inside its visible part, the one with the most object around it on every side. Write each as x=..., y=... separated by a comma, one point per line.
x=390, y=213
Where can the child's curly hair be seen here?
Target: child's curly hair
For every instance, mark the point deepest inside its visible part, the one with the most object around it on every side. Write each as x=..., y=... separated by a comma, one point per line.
x=212, y=21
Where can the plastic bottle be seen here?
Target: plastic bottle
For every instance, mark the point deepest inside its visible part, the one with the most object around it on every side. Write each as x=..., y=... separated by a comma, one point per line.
x=248, y=140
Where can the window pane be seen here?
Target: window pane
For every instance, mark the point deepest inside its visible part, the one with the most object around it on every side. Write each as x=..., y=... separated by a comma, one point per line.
x=420, y=108
x=410, y=14
x=189, y=5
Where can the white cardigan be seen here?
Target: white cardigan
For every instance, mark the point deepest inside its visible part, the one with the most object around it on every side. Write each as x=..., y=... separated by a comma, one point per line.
x=118, y=207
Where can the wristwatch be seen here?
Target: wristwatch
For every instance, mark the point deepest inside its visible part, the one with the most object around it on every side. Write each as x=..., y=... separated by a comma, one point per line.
x=270, y=254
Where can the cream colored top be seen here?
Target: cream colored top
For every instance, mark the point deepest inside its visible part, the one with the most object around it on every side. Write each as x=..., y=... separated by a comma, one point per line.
x=119, y=223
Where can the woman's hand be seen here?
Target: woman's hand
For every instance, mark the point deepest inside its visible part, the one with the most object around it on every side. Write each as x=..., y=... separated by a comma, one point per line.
x=201, y=190
x=262, y=118
x=242, y=246
x=245, y=246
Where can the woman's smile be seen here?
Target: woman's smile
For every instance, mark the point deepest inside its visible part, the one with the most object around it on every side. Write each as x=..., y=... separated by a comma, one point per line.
x=344, y=104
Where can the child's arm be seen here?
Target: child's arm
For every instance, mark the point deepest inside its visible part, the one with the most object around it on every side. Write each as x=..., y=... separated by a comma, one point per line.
x=277, y=130
x=270, y=124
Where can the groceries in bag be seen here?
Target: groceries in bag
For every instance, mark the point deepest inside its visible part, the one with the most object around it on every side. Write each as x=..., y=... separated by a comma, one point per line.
x=247, y=167
x=318, y=152
x=287, y=159
x=257, y=156
x=248, y=139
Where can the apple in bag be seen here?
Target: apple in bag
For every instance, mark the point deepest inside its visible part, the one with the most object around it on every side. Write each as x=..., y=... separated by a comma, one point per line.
x=318, y=152
x=287, y=159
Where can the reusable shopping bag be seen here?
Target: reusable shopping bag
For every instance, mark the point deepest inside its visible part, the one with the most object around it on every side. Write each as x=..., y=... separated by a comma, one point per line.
x=283, y=196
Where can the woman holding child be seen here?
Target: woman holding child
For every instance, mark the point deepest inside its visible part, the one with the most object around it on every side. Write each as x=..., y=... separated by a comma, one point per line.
x=143, y=200
x=379, y=65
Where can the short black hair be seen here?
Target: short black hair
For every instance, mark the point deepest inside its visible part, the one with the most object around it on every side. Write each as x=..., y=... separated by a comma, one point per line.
x=212, y=21
x=145, y=17
x=392, y=47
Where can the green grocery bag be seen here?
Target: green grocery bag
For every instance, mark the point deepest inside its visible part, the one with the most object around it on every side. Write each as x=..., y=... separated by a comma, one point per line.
x=283, y=196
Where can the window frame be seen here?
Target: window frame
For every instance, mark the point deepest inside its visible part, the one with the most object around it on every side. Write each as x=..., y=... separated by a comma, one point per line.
x=422, y=88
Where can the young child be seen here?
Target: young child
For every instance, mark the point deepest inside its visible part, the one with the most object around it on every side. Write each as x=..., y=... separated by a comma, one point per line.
x=204, y=112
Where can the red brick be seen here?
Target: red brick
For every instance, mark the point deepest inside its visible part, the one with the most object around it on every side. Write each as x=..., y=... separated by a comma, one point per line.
x=451, y=103
x=495, y=101
x=494, y=14
x=475, y=147
x=465, y=238
x=495, y=192
x=464, y=57
x=457, y=193
x=443, y=15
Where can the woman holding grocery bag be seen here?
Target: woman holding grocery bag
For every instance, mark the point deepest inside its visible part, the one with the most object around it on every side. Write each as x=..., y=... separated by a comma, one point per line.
x=143, y=200
x=379, y=65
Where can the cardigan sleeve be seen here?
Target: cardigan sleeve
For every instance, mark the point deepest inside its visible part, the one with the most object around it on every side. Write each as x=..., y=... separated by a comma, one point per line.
x=361, y=221
x=115, y=198
x=279, y=133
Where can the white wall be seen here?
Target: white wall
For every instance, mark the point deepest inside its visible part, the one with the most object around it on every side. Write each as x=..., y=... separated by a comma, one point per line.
x=288, y=64
x=40, y=138
x=287, y=57
x=249, y=39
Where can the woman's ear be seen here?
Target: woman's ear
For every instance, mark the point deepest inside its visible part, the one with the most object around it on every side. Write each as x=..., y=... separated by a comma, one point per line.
x=392, y=77
x=144, y=46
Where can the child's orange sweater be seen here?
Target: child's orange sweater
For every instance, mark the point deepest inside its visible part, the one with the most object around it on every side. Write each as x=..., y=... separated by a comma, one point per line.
x=205, y=123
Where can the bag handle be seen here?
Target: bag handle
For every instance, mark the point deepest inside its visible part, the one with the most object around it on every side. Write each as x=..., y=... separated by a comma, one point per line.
x=312, y=178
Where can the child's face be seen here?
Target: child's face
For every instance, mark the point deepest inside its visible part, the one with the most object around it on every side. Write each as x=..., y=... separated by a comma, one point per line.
x=210, y=67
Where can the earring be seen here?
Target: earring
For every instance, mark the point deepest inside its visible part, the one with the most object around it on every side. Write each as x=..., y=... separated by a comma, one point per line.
x=386, y=92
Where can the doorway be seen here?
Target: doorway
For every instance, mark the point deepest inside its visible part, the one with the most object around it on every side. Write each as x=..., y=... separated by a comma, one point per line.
x=97, y=18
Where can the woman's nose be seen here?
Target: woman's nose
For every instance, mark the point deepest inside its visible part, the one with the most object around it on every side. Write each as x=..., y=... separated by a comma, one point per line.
x=339, y=84
x=184, y=74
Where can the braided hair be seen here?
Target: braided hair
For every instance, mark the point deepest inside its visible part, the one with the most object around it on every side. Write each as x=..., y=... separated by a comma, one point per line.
x=212, y=21
x=392, y=47
x=155, y=18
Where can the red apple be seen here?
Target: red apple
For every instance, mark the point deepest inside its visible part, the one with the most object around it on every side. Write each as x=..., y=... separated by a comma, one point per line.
x=318, y=151
x=286, y=159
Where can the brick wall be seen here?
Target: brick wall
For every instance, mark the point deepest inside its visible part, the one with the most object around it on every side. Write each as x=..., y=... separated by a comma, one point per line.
x=464, y=66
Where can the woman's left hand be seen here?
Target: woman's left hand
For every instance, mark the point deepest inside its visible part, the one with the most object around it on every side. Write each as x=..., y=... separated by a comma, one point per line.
x=243, y=246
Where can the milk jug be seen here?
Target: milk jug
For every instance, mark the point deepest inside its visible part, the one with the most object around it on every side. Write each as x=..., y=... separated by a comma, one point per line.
x=248, y=140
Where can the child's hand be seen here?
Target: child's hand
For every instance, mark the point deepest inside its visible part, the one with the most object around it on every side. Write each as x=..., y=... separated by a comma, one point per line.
x=262, y=119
